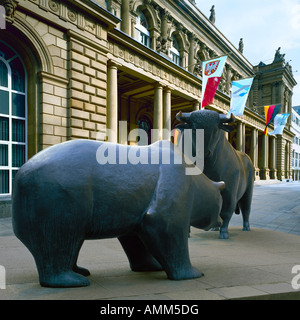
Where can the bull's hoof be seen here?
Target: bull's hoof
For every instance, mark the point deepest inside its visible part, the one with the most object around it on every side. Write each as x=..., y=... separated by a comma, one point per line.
x=83, y=271
x=224, y=235
x=65, y=280
x=246, y=226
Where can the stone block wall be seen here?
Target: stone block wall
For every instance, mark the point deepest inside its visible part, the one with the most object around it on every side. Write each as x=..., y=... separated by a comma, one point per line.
x=87, y=90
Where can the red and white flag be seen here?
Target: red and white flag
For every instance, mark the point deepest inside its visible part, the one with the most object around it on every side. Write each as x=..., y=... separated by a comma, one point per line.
x=211, y=75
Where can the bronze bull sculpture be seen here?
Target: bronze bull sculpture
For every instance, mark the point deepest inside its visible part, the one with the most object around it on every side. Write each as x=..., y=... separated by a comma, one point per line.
x=63, y=196
x=223, y=163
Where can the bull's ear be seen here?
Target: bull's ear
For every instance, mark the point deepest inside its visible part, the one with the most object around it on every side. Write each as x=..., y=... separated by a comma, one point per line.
x=224, y=119
x=226, y=127
x=183, y=116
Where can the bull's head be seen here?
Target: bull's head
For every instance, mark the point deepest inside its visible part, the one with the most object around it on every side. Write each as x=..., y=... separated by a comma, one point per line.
x=213, y=124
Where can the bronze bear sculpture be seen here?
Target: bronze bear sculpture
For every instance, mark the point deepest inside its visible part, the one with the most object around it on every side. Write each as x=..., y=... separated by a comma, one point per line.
x=63, y=196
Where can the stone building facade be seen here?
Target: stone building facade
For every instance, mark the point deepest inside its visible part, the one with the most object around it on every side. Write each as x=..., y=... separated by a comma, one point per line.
x=71, y=69
x=296, y=142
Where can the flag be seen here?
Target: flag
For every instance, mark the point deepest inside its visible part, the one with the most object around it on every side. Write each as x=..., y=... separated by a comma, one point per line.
x=240, y=90
x=279, y=123
x=211, y=75
x=270, y=113
x=176, y=136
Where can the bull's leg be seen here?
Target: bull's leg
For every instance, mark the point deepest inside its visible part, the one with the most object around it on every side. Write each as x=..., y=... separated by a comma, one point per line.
x=140, y=259
x=245, y=206
x=168, y=243
x=224, y=228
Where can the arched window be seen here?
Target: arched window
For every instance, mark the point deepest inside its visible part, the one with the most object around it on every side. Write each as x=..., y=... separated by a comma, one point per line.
x=174, y=51
x=13, y=115
x=141, y=30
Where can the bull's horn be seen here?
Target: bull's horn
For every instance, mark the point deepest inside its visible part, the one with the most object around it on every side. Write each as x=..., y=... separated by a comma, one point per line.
x=182, y=116
x=224, y=118
x=220, y=185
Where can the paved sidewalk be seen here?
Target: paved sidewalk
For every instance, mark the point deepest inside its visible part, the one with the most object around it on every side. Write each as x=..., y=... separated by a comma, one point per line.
x=253, y=265
x=275, y=206
x=250, y=265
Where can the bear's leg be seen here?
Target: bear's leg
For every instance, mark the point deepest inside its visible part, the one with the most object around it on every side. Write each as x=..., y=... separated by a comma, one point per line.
x=55, y=266
x=83, y=271
x=140, y=259
x=168, y=243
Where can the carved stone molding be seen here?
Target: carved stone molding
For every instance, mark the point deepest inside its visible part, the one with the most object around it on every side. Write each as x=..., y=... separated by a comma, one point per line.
x=69, y=13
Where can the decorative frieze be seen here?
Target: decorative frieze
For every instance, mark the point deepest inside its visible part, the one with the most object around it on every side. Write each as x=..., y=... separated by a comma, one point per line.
x=70, y=14
x=155, y=70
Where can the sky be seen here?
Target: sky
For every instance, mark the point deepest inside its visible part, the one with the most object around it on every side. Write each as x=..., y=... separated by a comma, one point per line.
x=264, y=25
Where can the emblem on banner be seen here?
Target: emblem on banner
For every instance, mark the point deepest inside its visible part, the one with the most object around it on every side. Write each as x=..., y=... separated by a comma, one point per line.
x=211, y=67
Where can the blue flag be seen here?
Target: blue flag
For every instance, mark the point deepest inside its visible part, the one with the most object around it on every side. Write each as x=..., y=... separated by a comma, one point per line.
x=279, y=123
x=239, y=94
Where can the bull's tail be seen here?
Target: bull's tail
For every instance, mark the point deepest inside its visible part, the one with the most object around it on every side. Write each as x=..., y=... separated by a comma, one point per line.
x=237, y=209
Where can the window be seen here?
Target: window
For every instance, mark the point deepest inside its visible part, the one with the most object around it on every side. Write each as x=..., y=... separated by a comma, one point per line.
x=141, y=30
x=293, y=159
x=174, y=51
x=13, y=112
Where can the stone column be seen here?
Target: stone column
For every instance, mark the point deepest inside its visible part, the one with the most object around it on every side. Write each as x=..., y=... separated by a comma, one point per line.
x=239, y=140
x=167, y=114
x=273, y=170
x=158, y=113
x=280, y=150
x=123, y=129
x=191, y=61
x=243, y=137
x=265, y=154
x=112, y=102
x=289, y=158
x=254, y=152
x=126, y=20
x=196, y=105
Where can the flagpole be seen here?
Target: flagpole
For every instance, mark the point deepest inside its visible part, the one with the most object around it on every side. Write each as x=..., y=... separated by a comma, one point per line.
x=218, y=57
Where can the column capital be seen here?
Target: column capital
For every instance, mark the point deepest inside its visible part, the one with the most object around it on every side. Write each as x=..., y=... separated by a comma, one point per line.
x=167, y=89
x=113, y=64
x=159, y=85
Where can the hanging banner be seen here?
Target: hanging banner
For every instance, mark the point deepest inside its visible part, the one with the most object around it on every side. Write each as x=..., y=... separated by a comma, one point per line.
x=279, y=123
x=239, y=94
x=211, y=75
x=270, y=113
